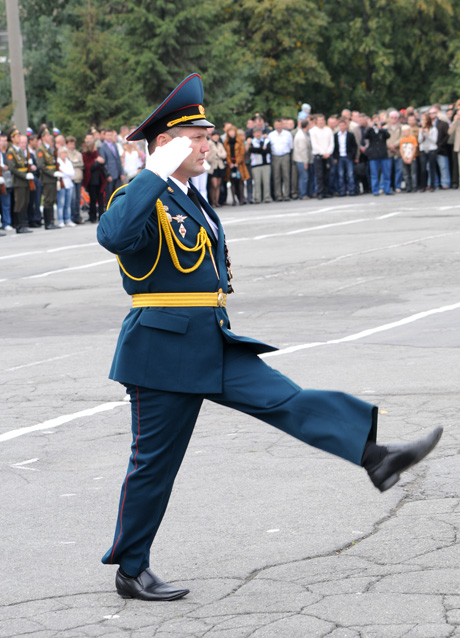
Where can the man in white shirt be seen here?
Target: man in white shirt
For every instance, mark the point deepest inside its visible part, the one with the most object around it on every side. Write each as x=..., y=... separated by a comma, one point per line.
x=302, y=157
x=322, y=146
x=281, y=144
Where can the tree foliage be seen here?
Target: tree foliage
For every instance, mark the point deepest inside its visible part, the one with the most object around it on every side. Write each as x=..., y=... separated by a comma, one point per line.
x=84, y=66
x=95, y=83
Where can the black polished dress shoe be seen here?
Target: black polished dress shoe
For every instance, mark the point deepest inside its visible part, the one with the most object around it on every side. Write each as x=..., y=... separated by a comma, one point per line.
x=400, y=457
x=147, y=586
x=21, y=230
x=51, y=227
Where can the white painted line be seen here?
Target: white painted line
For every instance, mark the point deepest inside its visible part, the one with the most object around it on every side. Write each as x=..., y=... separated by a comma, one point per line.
x=60, y=420
x=54, y=272
x=35, y=252
x=25, y=462
x=37, y=363
x=301, y=213
x=298, y=230
x=398, y=212
x=364, y=333
x=71, y=247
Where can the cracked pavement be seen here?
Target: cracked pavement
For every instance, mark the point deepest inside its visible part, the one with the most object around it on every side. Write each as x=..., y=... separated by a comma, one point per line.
x=273, y=538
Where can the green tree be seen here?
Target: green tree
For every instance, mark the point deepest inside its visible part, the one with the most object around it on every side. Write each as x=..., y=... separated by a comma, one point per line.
x=280, y=44
x=95, y=84
x=383, y=52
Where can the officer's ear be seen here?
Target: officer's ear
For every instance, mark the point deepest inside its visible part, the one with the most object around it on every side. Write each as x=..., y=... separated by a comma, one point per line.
x=162, y=139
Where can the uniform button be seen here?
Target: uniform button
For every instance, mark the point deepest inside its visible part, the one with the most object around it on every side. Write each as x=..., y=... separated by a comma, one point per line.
x=221, y=322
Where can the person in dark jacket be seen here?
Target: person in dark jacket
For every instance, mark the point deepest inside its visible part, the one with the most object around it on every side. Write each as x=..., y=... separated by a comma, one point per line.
x=377, y=153
x=345, y=152
x=94, y=178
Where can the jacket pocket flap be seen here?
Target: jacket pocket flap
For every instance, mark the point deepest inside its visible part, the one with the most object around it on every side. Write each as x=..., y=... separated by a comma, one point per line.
x=165, y=321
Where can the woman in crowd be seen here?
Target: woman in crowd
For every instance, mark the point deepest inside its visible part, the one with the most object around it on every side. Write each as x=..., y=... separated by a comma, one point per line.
x=428, y=143
x=94, y=178
x=216, y=156
x=237, y=172
x=131, y=160
x=64, y=195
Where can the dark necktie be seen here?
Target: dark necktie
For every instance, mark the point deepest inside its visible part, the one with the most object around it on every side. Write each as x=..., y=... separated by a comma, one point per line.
x=191, y=193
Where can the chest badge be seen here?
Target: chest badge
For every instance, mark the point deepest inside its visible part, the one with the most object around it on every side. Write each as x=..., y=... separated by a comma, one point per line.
x=182, y=230
x=180, y=218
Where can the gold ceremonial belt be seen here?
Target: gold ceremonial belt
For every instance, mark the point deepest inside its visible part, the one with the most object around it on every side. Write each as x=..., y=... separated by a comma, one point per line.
x=52, y=167
x=23, y=170
x=178, y=299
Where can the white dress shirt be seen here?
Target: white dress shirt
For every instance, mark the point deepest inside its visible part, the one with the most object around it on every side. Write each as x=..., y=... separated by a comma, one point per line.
x=322, y=140
x=280, y=143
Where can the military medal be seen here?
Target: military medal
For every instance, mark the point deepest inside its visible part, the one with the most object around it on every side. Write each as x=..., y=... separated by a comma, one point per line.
x=182, y=230
x=180, y=218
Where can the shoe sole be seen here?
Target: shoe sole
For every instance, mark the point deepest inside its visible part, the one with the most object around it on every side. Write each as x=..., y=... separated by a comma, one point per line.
x=394, y=478
x=172, y=597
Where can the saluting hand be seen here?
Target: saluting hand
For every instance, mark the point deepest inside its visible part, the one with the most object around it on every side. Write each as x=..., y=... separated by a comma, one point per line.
x=166, y=159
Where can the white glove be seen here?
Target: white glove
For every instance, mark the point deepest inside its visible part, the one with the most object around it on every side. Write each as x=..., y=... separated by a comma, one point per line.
x=58, y=174
x=29, y=176
x=165, y=160
x=2, y=180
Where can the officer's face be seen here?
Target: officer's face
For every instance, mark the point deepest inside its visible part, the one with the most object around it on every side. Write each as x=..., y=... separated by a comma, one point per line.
x=193, y=164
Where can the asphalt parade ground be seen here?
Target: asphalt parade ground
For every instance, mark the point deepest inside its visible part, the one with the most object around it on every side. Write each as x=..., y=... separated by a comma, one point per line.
x=273, y=538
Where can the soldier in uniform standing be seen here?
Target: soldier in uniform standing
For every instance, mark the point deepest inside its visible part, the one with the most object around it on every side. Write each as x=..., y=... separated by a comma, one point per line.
x=176, y=348
x=17, y=161
x=48, y=174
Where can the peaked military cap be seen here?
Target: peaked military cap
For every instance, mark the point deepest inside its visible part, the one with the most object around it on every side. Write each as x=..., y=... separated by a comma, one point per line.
x=43, y=130
x=12, y=132
x=182, y=107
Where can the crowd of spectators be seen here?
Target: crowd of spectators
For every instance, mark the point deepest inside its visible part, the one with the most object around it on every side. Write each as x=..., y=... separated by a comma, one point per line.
x=313, y=156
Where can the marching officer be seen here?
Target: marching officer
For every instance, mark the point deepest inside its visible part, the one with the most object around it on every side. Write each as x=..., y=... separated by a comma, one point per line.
x=176, y=348
x=17, y=161
x=48, y=175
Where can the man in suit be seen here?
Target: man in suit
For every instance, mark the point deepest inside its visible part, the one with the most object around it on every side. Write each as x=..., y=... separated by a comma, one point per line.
x=109, y=152
x=176, y=348
x=345, y=149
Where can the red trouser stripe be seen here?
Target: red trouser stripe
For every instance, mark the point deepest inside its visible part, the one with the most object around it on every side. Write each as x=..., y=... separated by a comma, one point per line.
x=128, y=475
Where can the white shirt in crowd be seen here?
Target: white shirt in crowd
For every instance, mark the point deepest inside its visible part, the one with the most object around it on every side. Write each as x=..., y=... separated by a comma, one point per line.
x=428, y=141
x=342, y=137
x=131, y=163
x=256, y=158
x=280, y=143
x=67, y=170
x=322, y=140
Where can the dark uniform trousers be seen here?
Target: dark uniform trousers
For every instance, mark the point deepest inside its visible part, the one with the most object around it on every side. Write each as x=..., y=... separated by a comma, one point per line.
x=17, y=164
x=47, y=166
x=200, y=350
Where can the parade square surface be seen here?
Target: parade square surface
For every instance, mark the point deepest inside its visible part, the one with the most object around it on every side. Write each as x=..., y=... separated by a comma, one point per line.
x=273, y=538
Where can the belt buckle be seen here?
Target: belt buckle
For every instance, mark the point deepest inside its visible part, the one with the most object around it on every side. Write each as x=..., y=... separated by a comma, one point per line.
x=220, y=299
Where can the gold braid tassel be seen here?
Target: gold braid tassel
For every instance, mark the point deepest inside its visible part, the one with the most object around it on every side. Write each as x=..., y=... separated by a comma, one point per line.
x=164, y=226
